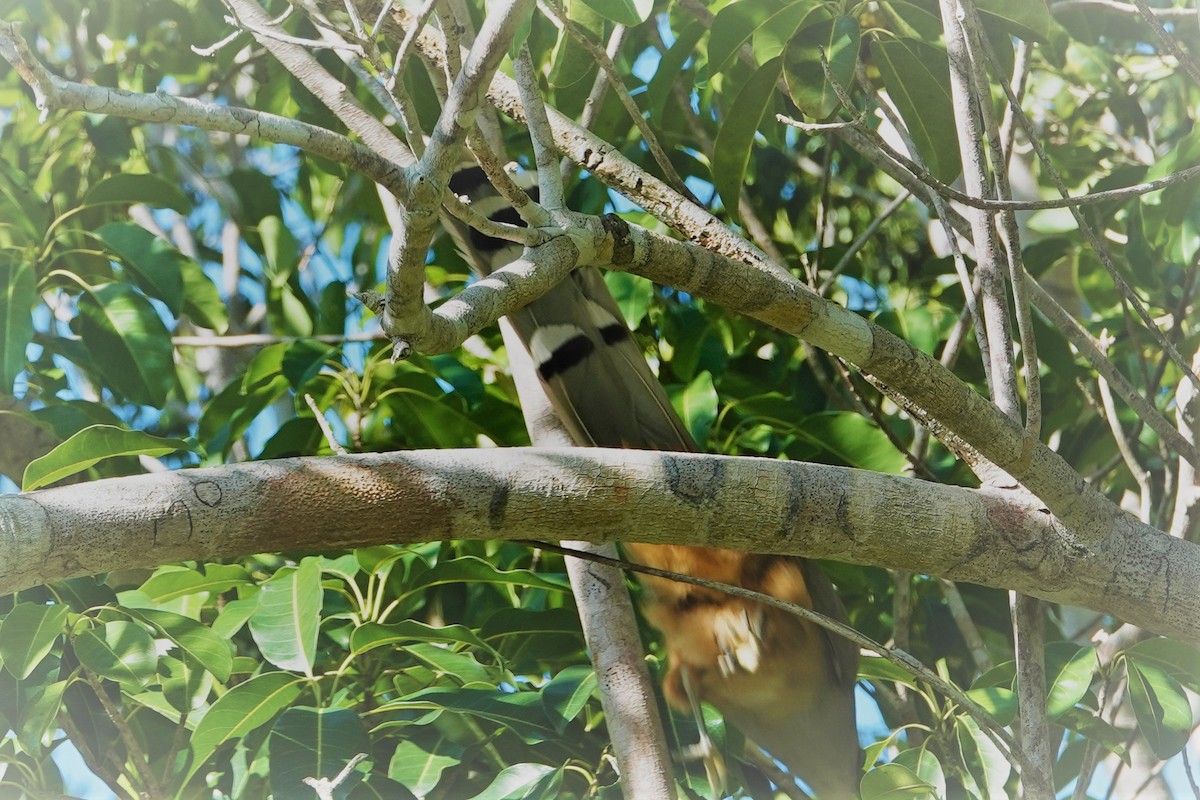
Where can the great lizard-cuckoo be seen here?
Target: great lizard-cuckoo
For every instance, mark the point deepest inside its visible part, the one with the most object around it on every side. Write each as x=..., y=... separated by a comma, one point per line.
x=786, y=683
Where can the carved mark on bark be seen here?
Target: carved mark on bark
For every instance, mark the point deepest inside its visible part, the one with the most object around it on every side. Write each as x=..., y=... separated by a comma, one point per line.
x=175, y=524
x=208, y=492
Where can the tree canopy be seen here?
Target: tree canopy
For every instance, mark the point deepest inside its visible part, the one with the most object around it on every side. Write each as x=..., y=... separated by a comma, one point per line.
x=953, y=247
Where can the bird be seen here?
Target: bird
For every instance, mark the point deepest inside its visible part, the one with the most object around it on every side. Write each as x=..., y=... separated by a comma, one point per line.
x=786, y=683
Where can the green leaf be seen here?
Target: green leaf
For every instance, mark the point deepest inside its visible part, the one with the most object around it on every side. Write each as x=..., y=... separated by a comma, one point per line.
x=193, y=639
x=927, y=767
x=171, y=583
x=633, y=295
x=41, y=713
x=1160, y=706
x=1067, y=679
x=154, y=264
x=670, y=67
x=988, y=767
x=27, y=635
x=916, y=75
x=371, y=635
x=288, y=617
x=127, y=342
x=121, y=651
x=523, y=782
x=733, y=26
x=565, y=695
x=91, y=445
x=810, y=89
x=1181, y=661
x=18, y=293
x=1026, y=19
x=998, y=702
x=1097, y=730
x=243, y=708
x=201, y=298
x=470, y=569
x=623, y=12
x=852, y=438
x=314, y=743
x=128, y=189
x=735, y=138
x=894, y=782
x=697, y=406
x=875, y=668
x=419, y=765
x=520, y=712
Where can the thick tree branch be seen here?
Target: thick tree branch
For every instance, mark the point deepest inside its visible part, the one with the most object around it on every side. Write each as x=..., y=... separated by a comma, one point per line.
x=598, y=495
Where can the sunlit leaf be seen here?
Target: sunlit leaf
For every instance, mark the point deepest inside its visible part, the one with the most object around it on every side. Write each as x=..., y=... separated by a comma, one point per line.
x=243, y=708
x=91, y=445
x=27, y=635
x=121, y=651
x=315, y=743
x=286, y=623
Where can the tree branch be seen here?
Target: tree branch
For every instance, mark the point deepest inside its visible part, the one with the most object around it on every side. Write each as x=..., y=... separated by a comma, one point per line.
x=598, y=495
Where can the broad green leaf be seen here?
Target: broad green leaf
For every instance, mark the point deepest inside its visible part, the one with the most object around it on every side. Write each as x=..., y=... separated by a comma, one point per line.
x=470, y=569
x=1097, y=730
x=279, y=251
x=462, y=666
x=697, y=406
x=121, y=651
x=1067, y=679
x=520, y=712
x=987, y=765
x=733, y=26
x=371, y=635
x=155, y=265
x=999, y=703
x=1026, y=19
x=428, y=421
x=41, y=714
x=894, y=782
x=623, y=12
x=419, y=765
x=127, y=342
x=772, y=37
x=233, y=616
x=126, y=189
x=201, y=298
x=1181, y=661
x=18, y=293
x=229, y=414
x=523, y=782
x=243, y=708
x=735, y=138
x=1160, y=706
x=185, y=686
x=565, y=695
x=286, y=624
x=171, y=583
x=91, y=445
x=314, y=743
x=27, y=635
x=570, y=62
x=193, y=639
x=916, y=75
x=875, y=668
x=21, y=205
x=633, y=295
x=807, y=84
x=927, y=767
x=853, y=439
x=670, y=67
